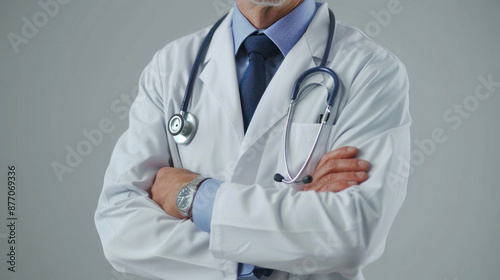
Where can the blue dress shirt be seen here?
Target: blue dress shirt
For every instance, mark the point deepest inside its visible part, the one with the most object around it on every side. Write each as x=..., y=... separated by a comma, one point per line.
x=284, y=33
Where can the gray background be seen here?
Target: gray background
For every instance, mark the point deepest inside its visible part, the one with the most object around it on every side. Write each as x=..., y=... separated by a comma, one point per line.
x=86, y=59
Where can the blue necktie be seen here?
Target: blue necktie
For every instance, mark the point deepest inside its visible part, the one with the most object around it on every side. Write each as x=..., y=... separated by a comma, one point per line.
x=255, y=80
x=253, y=84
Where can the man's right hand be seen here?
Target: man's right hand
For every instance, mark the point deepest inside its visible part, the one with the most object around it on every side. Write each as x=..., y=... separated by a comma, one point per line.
x=337, y=170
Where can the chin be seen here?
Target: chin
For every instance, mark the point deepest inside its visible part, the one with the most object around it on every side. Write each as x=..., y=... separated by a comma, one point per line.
x=268, y=3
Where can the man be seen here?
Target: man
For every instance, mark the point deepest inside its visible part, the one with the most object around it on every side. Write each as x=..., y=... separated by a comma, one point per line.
x=243, y=224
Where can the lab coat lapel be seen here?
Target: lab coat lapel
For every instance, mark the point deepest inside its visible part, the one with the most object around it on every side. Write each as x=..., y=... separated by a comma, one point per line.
x=219, y=75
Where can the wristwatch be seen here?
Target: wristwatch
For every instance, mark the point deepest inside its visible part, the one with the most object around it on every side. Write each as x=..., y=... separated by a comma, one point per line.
x=185, y=196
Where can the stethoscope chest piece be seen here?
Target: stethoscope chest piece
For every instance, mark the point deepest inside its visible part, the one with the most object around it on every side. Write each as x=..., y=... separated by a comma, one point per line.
x=182, y=127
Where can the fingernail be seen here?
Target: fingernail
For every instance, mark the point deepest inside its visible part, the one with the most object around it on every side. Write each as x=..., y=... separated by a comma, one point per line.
x=360, y=174
x=362, y=163
x=351, y=149
x=352, y=183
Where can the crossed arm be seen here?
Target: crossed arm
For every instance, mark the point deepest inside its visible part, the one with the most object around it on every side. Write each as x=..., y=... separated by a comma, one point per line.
x=336, y=171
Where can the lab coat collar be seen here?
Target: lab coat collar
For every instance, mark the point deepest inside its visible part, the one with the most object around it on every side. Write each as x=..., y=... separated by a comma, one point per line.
x=218, y=74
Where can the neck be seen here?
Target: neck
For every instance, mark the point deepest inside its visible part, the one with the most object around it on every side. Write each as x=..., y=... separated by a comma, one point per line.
x=263, y=16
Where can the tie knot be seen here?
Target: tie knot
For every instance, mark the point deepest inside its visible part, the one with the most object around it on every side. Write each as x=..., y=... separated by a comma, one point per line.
x=261, y=44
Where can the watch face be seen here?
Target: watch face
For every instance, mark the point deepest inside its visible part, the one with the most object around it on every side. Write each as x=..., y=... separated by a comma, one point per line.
x=183, y=198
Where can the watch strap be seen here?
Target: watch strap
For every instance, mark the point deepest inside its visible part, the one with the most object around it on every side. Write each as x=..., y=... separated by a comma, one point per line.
x=193, y=185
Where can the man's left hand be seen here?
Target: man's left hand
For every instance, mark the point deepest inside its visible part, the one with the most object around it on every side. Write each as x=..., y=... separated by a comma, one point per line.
x=168, y=182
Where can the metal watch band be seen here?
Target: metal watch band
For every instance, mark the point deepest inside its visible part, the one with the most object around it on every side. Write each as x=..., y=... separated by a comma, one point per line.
x=193, y=186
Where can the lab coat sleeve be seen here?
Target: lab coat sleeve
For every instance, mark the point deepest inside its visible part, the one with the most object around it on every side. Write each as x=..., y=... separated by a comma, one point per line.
x=309, y=232
x=137, y=235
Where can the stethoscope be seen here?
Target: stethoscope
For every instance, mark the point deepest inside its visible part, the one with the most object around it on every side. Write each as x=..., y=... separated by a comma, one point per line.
x=183, y=126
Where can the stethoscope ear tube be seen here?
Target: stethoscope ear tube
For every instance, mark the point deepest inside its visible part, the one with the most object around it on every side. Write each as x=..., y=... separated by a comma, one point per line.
x=295, y=179
x=294, y=99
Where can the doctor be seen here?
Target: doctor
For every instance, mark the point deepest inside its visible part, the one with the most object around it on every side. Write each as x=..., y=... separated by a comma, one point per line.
x=243, y=223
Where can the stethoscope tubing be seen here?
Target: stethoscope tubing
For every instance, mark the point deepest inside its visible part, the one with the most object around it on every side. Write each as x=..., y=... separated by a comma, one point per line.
x=331, y=94
x=196, y=65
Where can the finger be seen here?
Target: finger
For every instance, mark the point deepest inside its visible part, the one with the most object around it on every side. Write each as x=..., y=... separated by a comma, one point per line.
x=357, y=177
x=340, y=165
x=336, y=186
x=342, y=152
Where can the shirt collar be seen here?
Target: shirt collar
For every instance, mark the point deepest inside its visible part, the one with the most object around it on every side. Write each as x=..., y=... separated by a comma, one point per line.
x=284, y=33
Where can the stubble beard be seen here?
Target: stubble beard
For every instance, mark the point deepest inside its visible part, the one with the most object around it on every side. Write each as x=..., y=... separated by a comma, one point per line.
x=269, y=3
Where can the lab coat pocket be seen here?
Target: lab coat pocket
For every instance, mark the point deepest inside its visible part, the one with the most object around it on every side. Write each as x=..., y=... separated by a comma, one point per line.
x=302, y=137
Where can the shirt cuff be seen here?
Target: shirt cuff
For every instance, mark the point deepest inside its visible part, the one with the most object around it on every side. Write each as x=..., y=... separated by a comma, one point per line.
x=203, y=204
x=245, y=270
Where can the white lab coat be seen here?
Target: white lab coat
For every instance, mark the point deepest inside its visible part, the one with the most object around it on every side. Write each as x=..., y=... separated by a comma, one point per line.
x=301, y=235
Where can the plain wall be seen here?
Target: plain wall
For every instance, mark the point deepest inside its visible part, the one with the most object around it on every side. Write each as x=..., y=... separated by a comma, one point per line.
x=80, y=69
